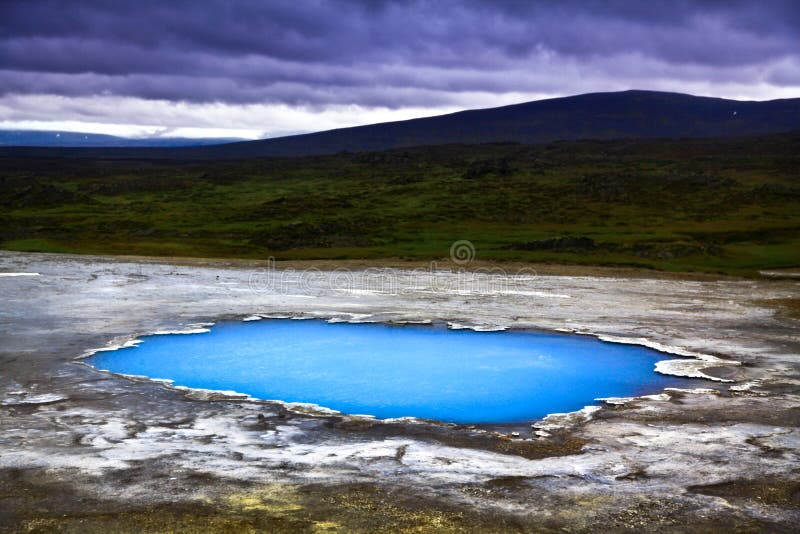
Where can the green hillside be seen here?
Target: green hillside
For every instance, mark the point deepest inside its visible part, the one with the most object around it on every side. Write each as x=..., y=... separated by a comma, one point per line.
x=724, y=205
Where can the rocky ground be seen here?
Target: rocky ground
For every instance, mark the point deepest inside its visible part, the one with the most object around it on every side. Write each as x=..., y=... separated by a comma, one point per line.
x=82, y=450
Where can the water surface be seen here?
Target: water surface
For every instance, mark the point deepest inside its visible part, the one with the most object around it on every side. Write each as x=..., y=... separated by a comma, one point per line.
x=394, y=371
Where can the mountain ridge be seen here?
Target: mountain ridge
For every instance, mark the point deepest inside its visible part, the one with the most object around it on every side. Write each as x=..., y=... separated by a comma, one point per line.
x=635, y=114
x=614, y=115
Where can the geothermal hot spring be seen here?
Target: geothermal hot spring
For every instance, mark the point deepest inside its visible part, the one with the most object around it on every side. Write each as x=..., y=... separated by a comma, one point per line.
x=429, y=372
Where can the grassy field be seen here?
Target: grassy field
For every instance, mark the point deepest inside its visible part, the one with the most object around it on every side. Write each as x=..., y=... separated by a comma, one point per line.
x=728, y=206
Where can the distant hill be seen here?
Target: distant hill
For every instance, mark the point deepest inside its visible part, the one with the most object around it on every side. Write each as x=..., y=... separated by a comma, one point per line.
x=621, y=115
x=627, y=114
x=37, y=138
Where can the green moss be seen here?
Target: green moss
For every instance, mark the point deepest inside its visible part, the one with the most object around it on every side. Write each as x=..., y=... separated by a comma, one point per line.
x=696, y=205
x=37, y=245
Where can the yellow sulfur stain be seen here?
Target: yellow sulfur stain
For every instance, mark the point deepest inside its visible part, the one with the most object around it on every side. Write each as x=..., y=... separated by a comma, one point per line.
x=273, y=498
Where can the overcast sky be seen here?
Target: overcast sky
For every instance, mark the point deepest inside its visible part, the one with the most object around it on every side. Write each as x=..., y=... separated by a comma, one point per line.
x=267, y=68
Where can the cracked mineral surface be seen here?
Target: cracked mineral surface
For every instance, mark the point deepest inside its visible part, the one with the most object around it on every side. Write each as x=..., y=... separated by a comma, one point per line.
x=86, y=450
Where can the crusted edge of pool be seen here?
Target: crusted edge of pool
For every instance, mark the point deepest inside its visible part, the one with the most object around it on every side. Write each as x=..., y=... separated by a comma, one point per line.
x=120, y=446
x=687, y=364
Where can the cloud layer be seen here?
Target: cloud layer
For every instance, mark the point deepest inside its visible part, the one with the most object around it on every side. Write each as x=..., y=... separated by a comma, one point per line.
x=360, y=61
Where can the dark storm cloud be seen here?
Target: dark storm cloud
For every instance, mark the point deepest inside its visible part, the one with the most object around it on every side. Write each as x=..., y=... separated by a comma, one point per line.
x=393, y=54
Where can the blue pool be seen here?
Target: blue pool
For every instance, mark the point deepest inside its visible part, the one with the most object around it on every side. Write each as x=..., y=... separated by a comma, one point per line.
x=393, y=371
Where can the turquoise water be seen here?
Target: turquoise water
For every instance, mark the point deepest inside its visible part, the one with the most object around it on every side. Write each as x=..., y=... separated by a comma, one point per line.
x=393, y=371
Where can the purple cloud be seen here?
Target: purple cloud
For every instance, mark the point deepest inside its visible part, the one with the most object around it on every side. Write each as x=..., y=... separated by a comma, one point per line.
x=374, y=53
